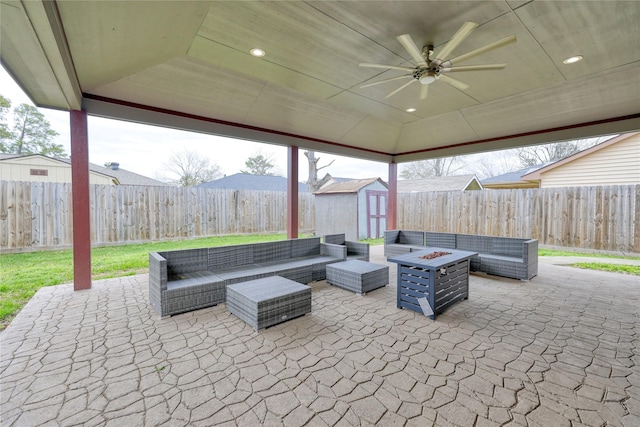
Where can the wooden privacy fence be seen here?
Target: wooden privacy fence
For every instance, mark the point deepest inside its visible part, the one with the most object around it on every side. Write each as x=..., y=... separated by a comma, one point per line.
x=39, y=215
x=601, y=218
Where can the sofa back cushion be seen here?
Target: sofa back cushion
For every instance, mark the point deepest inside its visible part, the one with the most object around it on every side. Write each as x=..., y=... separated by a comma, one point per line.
x=507, y=246
x=305, y=247
x=271, y=251
x=391, y=237
x=336, y=239
x=473, y=243
x=185, y=261
x=409, y=237
x=223, y=257
x=441, y=240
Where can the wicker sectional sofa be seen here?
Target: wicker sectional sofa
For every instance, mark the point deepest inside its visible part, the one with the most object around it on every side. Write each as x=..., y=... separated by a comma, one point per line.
x=191, y=279
x=501, y=256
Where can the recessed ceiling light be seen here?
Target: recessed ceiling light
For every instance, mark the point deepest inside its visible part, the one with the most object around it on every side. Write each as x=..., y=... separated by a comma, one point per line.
x=410, y=110
x=572, y=59
x=257, y=52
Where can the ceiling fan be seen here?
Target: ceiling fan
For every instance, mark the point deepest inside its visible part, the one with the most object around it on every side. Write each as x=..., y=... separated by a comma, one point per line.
x=428, y=69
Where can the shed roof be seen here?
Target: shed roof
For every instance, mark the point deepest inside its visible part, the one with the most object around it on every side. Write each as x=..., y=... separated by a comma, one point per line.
x=244, y=181
x=514, y=177
x=352, y=186
x=438, y=183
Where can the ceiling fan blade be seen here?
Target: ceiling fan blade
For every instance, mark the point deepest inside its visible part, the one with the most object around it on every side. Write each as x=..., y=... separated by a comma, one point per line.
x=453, y=82
x=424, y=90
x=450, y=69
x=400, y=88
x=457, y=38
x=384, y=81
x=502, y=42
x=407, y=42
x=389, y=67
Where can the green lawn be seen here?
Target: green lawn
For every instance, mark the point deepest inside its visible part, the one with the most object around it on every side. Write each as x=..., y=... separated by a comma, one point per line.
x=613, y=268
x=21, y=275
x=555, y=252
x=601, y=266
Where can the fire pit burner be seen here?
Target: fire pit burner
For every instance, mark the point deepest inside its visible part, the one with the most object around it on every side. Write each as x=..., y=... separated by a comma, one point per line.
x=433, y=255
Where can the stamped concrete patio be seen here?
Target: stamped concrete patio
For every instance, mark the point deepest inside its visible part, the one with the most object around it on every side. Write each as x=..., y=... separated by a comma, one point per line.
x=560, y=350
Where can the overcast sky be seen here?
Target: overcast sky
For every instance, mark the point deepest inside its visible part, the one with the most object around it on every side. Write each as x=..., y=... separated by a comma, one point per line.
x=146, y=149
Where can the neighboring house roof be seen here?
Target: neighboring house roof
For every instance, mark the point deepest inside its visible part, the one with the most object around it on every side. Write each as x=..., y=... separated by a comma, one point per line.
x=125, y=177
x=440, y=183
x=352, y=186
x=120, y=176
x=245, y=181
x=537, y=174
x=4, y=156
x=512, y=179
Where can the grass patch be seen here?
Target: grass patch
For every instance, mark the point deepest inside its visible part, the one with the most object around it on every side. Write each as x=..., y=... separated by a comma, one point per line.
x=613, y=268
x=374, y=242
x=556, y=252
x=22, y=274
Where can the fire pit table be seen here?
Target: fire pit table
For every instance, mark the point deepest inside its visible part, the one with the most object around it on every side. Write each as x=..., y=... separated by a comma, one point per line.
x=438, y=274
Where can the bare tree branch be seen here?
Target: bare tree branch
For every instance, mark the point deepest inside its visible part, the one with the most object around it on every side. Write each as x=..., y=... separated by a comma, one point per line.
x=191, y=168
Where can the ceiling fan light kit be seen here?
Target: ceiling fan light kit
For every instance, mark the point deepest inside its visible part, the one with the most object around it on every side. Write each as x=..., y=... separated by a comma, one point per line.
x=430, y=68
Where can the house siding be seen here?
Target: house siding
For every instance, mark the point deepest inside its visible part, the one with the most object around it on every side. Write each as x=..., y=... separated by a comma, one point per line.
x=618, y=164
x=19, y=169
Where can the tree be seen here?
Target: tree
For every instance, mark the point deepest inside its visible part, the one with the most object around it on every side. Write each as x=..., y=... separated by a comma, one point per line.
x=5, y=105
x=442, y=166
x=259, y=164
x=540, y=154
x=31, y=133
x=487, y=165
x=312, y=180
x=191, y=168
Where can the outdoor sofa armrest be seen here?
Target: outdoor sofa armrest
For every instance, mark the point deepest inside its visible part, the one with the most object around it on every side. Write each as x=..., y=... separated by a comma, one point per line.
x=336, y=239
x=158, y=271
x=333, y=250
x=157, y=281
x=530, y=251
x=530, y=257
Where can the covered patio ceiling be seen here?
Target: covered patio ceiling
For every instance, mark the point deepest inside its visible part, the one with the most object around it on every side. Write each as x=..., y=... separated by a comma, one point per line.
x=187, y=65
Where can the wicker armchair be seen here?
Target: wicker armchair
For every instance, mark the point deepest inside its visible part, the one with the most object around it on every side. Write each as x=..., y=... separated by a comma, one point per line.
x=355, y=250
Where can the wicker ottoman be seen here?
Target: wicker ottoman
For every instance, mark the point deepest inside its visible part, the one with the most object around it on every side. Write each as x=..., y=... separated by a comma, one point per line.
x=268, y=301
x=358, y=276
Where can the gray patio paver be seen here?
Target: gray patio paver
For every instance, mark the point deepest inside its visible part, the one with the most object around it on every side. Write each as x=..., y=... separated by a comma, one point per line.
x=562, y=349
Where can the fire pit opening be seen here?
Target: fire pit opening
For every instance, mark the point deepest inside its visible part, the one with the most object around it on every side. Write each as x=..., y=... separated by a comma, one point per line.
x=433, y=255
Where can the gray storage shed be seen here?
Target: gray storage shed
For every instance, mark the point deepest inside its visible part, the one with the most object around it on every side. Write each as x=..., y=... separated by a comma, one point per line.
x=357, y=208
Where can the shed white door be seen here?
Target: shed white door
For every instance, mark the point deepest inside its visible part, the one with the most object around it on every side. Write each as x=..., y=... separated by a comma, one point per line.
x=376, y=213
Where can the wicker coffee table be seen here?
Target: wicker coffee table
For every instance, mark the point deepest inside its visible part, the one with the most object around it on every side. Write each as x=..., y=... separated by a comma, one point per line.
x=358, y=276
x=268, y=301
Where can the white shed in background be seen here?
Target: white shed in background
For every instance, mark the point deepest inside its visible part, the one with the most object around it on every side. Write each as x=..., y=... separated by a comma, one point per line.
x=357, y=208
